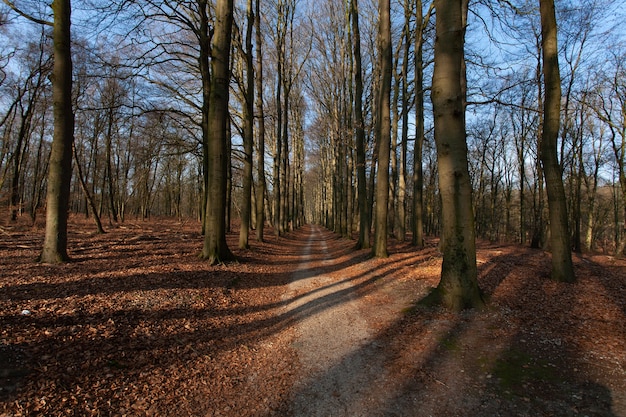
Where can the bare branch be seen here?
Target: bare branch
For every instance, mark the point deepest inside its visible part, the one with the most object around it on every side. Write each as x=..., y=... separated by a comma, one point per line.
x=26, y=15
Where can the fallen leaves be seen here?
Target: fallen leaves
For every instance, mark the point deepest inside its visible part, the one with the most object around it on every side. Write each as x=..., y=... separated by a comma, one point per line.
x=137, y=325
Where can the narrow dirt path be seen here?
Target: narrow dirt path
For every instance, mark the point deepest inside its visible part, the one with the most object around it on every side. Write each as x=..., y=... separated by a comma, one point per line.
x=342, y=364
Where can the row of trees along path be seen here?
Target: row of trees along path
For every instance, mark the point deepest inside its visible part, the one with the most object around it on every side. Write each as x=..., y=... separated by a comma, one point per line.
x=458, y=288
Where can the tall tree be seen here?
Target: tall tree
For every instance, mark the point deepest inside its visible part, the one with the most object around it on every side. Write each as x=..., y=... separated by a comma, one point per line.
x=260, y=188
x=60, y=171
x=458, y=287
x=215, y=247
x=60, y=166
x=384, y=130
x=405, y=98
x=248, y=131
x=562, y=267
x=364, y=215
x=418, y=173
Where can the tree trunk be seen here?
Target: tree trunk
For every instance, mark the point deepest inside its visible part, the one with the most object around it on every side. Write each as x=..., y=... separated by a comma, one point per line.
x=384, y=131
x=215, y=249
x=279, y=143
x=458, y=287
x=401, y=227
x=364, y=218
x=248, y=131
x=418, y=174
x=562, y=267
x=205, y=75
x=229, y=177
x=260, y=199
x=60, y=173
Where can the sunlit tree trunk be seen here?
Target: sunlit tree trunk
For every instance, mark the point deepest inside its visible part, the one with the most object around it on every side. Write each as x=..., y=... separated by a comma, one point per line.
x=384, y=130
x=215, y=249
x=60, y=171
x=562, y=267
x=458, y=287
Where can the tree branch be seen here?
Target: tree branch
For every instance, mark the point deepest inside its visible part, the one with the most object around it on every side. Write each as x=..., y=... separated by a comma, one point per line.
x=26, y=15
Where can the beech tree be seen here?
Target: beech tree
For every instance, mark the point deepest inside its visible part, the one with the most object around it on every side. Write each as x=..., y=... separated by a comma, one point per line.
x=458, y=287
x=60, y=169
x=248, y=128
x=364, y=215
x=421, y=22
x=383, y=130
x=215, y=248
x=261, y=186
x=562, y=267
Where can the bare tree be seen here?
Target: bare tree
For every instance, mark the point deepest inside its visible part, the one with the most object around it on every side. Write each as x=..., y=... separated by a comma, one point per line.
x=215, y=248
x=364, y=215
x=261, y=186
x=562, y=267
x=60, y=172
x=248, y=130
x=384, y=130
x=458, y=287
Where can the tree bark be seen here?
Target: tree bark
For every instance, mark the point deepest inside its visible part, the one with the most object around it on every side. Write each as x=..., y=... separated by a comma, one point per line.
x=248, y=131
x=418, y=174
x=364, y=213
x=384, y=134
x=204, y=38
x=215, y=248
x=60, y=173
x=260, y=199
x=401, y=227
x=458, y=287
x=562, y=267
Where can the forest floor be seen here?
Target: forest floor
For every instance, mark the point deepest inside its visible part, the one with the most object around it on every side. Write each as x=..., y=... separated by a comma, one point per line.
x=302, y=325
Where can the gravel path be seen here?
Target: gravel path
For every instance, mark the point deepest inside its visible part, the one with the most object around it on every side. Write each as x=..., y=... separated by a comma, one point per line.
x=342, y=366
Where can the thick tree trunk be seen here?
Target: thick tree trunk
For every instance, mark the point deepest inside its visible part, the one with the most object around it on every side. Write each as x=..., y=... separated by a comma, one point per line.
x=60, y=172
x=384, y=131
x=458, y=287
x=215, y=248
x=562, y=267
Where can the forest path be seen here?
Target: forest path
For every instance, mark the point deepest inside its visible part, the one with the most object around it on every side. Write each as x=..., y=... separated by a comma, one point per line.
x=342, y=364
